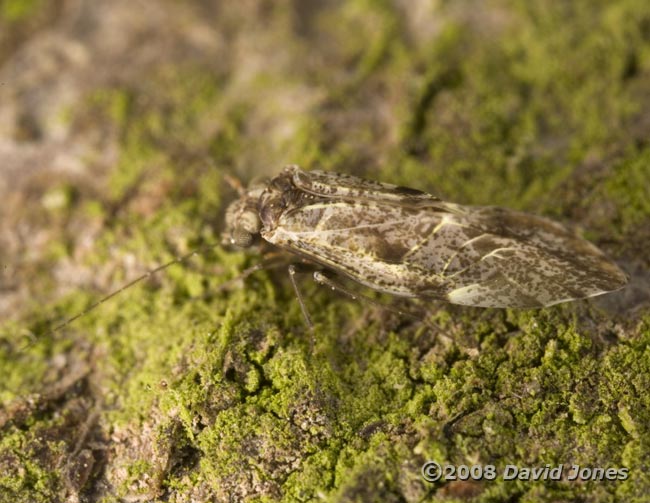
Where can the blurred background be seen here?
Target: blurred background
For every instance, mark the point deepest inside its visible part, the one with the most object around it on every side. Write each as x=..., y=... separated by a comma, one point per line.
x=118, y=122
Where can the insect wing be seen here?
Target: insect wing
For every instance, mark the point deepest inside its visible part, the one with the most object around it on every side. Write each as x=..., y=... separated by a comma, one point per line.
x=416, y=245
x=364, y=240
x=343, y=186
x=514, y=259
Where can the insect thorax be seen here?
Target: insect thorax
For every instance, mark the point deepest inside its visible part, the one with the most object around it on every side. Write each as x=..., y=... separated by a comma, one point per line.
x=281, y=197
x=261, y=207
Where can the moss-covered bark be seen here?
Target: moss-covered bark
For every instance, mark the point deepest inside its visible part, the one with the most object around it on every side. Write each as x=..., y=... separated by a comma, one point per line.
x=120, y=122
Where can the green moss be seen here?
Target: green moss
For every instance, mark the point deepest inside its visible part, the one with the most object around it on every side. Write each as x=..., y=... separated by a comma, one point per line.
x=18, y=10
x=27, y=457
x=626, y=189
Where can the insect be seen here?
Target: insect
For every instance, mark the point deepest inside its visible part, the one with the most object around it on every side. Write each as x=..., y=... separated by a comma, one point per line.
x=408, y=243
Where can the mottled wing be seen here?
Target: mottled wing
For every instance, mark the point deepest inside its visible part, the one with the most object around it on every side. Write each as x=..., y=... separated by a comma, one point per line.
x=513, y=259
x=365, y=240
x=487, y=257
x=352, y=188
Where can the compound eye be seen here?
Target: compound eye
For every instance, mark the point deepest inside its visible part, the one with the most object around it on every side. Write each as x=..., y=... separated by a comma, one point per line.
x=241, y=238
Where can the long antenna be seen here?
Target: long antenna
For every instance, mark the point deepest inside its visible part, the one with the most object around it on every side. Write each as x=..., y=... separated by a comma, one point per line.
x=177, y=260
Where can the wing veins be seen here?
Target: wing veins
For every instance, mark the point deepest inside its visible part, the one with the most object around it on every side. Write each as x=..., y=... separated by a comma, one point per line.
x=341, y=229
x=455, y=254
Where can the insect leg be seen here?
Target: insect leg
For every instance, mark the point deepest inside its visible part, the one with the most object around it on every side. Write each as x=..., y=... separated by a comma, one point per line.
x=303, y=308
x=268, y=262
x=272, y=261
x=321, y=279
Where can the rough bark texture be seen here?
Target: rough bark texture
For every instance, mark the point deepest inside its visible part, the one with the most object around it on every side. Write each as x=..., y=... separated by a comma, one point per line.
x=118, y=123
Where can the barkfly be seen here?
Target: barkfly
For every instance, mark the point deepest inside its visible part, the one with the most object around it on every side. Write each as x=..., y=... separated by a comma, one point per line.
x=408, y=243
